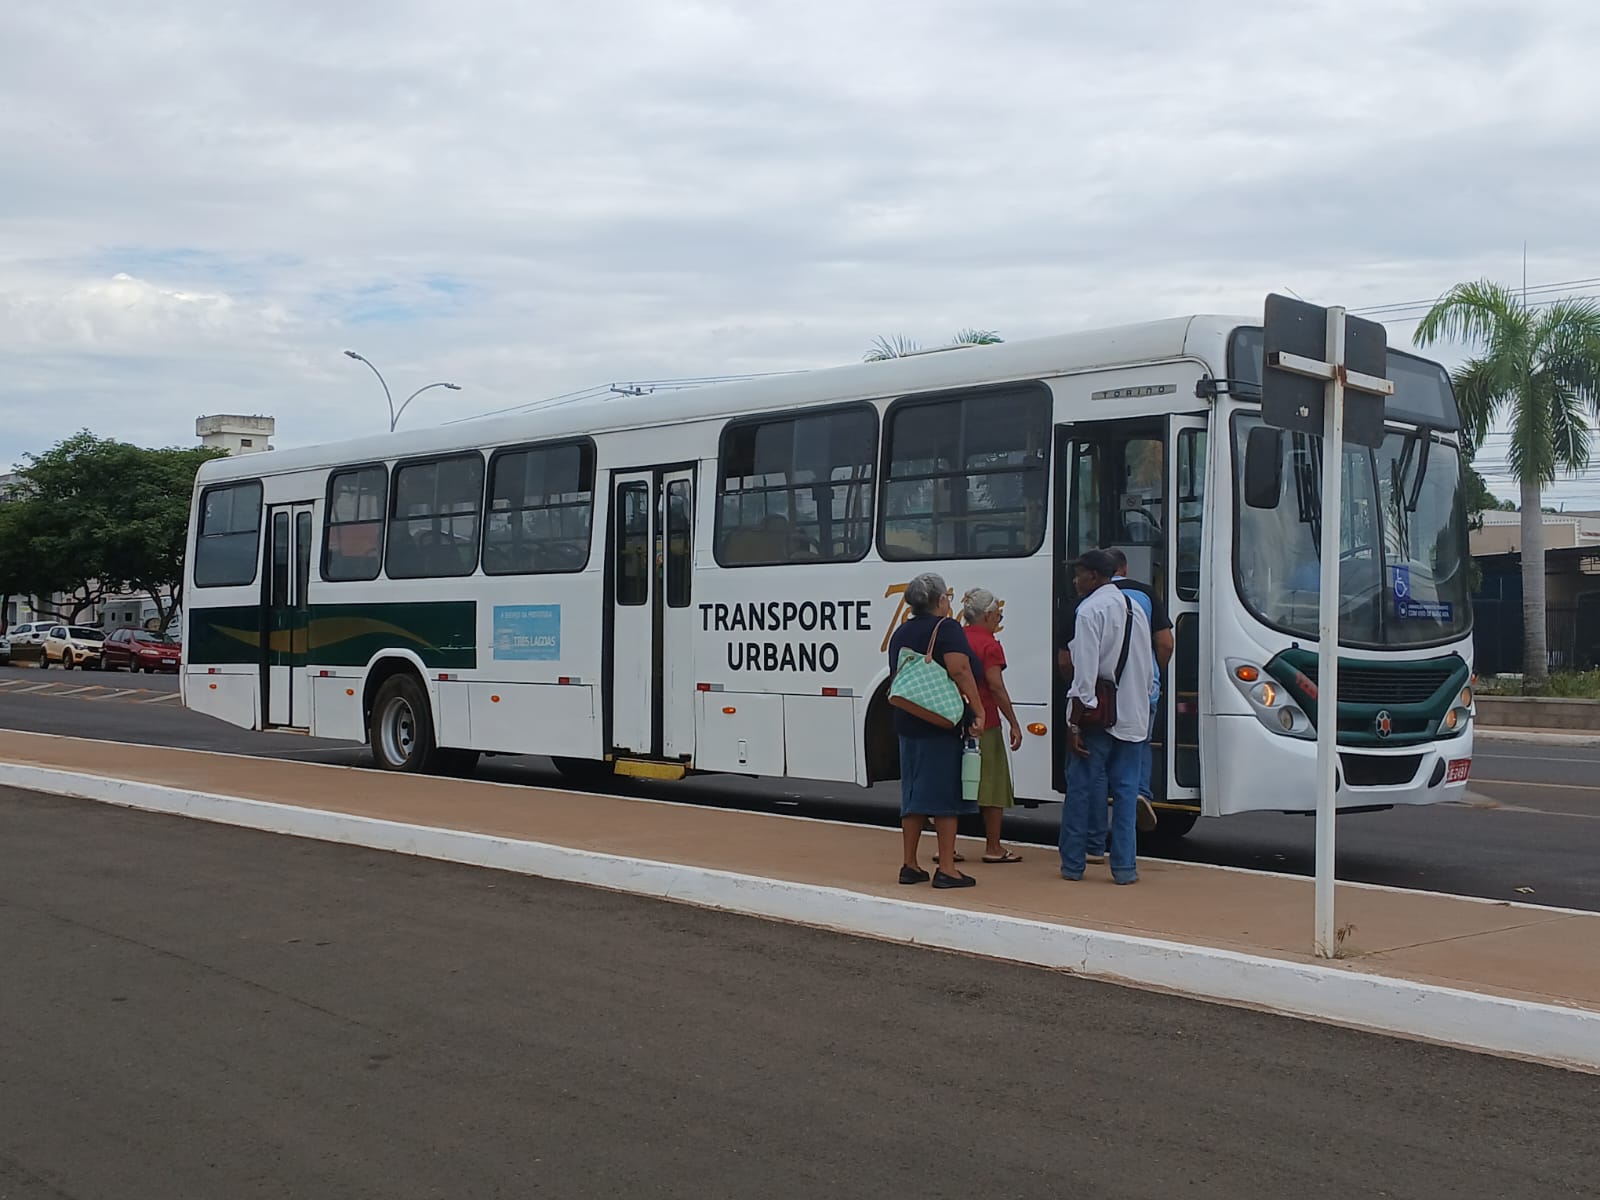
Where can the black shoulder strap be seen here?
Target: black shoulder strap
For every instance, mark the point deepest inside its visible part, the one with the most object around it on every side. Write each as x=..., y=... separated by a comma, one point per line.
x=1127, y=635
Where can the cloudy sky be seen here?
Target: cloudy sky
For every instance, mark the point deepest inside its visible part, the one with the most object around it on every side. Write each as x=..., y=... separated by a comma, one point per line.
x=203, y=203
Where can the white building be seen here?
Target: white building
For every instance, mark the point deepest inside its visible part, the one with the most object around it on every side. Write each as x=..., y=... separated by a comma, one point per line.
x=236, y=434
x=1502, y=532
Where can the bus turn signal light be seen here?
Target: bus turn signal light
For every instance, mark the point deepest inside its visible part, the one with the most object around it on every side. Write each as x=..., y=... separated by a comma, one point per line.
x=1247, y=674
x=1038, y=729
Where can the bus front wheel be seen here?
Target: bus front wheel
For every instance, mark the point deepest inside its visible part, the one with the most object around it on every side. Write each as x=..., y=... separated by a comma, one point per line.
x=400, y=729
x=1171, y=826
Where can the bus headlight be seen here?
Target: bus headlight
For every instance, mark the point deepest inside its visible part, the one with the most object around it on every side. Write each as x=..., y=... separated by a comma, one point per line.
x=1270, y=700
x=1455, y=721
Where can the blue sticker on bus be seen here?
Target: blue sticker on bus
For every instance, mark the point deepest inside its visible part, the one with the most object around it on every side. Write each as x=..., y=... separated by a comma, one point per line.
x=1405, y=608
x=527, y=632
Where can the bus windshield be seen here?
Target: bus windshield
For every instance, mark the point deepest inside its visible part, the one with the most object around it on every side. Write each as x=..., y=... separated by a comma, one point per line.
x=1403, y=578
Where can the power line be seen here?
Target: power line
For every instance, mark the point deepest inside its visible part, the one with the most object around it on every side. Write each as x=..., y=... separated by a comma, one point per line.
x=1534, y=290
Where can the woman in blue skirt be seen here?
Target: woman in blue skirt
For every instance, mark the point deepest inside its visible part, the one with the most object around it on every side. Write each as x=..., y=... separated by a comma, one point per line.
x=930, y=755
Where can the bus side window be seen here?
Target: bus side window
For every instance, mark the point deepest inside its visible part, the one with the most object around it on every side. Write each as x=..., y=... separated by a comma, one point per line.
x=967, y=474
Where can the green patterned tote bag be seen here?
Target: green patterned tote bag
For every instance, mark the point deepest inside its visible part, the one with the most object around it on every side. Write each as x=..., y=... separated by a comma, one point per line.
x=924, y=689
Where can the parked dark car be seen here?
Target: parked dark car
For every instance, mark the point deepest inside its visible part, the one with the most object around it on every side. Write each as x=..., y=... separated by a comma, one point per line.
x=141, y=650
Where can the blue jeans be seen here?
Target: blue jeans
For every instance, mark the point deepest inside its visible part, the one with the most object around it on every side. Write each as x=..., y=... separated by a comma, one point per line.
x=1112, y=768
x=1147, y=756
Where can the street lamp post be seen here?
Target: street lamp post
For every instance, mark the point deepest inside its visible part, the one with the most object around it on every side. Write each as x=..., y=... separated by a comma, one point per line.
x=394, y=415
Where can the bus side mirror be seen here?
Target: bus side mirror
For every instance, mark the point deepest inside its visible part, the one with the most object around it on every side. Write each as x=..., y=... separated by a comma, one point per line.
x=1263, y=467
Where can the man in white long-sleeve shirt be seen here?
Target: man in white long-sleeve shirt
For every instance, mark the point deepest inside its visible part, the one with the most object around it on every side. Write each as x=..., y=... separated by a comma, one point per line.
x=1110, y=641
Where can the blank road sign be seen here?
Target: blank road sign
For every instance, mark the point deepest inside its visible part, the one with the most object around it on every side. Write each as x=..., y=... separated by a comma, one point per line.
x=1296, y=402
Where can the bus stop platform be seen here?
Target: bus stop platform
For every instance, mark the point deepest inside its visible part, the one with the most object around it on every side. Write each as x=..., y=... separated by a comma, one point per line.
x=1496, y=976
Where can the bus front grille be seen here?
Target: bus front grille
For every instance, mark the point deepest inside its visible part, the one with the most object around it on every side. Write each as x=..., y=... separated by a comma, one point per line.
x=1379, y=770
x=1383, y=685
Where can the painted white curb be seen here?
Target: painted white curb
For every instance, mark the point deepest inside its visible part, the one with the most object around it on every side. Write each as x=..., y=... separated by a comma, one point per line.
x=1551, y=1033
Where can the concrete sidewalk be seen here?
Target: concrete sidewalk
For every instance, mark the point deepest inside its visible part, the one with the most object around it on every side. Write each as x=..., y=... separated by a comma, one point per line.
x=1505, y=977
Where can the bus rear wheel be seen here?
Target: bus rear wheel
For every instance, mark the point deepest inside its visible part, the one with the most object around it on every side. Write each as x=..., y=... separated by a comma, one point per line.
x=461, y=763
x=400, y=729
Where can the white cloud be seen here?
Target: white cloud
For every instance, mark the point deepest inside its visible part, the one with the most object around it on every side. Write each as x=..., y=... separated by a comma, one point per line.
x=530, y=198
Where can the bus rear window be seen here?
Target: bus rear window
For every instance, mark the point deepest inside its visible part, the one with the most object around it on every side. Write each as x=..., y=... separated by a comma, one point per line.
x=227, y=544
x=967, y=475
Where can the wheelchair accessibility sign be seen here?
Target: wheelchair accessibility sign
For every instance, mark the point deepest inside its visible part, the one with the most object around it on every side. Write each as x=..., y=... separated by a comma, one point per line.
x=1408, y=609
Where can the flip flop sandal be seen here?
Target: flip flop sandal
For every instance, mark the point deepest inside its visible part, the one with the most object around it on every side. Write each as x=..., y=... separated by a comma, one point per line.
x=1007, y=857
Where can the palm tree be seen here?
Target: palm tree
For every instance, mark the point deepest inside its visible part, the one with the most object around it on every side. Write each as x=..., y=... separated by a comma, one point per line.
x=1539, y=367
x=899, y=346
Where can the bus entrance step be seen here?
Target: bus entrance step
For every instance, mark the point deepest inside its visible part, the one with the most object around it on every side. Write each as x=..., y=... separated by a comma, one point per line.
x=644, y=768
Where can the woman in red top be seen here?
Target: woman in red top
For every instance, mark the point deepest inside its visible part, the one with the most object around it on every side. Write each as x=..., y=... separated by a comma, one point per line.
x=980, y=613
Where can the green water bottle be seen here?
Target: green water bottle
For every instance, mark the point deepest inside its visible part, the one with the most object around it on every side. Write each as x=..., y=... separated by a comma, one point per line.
x=971, y=770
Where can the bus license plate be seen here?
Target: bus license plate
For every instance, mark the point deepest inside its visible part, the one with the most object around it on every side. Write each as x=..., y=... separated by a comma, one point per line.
x=1458, y=770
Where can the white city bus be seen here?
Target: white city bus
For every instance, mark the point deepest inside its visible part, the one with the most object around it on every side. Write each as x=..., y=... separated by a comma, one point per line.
x=707, y=580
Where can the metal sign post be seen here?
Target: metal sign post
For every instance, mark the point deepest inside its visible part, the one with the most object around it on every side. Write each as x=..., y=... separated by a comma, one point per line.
x=1332, y=369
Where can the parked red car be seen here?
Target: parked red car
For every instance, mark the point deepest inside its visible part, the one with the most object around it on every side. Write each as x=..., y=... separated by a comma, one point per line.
x=140, y=650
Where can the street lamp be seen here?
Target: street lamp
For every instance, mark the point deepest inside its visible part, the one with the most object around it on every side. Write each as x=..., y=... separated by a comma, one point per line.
x=394, y=416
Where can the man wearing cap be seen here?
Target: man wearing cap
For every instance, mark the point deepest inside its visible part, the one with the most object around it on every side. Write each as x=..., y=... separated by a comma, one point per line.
x=1110, y=642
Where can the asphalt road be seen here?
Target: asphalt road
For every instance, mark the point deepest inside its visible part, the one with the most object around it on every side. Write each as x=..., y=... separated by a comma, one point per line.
x=1532, y=820
x=193, y=1010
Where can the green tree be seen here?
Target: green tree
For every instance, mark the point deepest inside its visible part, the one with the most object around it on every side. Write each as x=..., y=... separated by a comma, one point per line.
x=92, y=517
x=1537, y=368
x=1479, y=498
x=899, y=345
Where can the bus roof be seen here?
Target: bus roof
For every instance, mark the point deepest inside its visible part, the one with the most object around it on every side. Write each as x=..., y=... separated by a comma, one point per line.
x=1199, y=336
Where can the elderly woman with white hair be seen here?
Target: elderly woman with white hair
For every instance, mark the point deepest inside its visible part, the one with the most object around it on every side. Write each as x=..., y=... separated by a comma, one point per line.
x=980, y=613
x=930, y=754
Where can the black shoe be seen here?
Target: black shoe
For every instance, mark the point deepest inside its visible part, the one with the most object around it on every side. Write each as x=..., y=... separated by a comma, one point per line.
x=941, y=880
x=912, y=875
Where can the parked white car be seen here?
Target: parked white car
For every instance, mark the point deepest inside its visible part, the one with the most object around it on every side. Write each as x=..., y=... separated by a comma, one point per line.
x=73, y=646
x=29, y=633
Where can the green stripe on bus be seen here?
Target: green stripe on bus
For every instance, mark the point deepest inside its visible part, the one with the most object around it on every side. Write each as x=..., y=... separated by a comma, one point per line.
x=443, y=633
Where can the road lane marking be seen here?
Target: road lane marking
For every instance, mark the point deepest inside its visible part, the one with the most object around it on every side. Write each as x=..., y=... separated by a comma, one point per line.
x=1568, y=787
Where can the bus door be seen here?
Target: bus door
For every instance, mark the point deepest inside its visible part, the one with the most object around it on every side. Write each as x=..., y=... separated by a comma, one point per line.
x=1111, y=490
x=1181, y=705
x=289, y=533
x=650, y=693
x=1139, y=485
